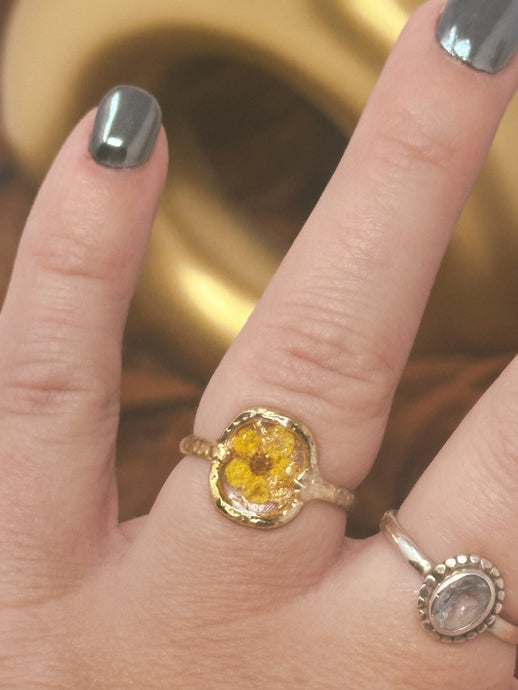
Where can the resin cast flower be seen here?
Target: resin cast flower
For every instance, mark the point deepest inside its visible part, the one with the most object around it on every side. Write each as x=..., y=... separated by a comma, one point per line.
x=266, y=462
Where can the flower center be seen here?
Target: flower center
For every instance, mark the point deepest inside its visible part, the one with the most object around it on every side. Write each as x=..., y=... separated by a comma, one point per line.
x=260, y=464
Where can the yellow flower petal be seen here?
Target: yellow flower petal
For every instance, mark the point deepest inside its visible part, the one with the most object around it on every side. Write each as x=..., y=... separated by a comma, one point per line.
x=280, y=466
x=238, y=473
x=279, y=442
x=253, y=487
x=246, y=442
x=257, y=491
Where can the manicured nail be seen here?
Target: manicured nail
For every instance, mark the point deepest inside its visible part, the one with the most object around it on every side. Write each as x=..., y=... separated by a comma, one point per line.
x=482, y=33
x=126, y=127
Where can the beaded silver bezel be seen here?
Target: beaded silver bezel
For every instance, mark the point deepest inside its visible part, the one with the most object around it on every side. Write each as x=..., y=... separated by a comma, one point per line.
x=450, y=570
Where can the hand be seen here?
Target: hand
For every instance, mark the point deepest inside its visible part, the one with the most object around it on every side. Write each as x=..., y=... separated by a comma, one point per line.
x=184, y=598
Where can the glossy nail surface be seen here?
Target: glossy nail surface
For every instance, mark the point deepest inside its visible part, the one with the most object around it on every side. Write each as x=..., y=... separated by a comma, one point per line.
x=126, y=127
x=482, y=33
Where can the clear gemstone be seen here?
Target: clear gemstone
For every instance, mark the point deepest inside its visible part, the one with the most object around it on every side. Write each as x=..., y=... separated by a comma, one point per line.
x=461, y=603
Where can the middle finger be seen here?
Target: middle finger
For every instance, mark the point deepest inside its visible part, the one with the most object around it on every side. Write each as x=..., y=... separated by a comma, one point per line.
x=329, y=338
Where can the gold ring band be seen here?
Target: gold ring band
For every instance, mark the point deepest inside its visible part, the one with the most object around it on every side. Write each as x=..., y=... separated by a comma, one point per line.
x=460, y=597
x=264, y=468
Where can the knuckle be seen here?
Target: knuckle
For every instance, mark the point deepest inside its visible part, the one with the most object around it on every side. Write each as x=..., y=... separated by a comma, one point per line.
x=69, y=257
x=85, y=249
x=414, y=139
x=46, y=367
x=317, y=353
x=499, y=433
x=38, y=383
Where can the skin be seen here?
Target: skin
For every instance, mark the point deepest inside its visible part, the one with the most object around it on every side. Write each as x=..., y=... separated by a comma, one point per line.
x=184, y=598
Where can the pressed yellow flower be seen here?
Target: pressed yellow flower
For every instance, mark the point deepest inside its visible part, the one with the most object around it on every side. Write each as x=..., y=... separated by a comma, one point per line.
x=263, y=462
x=254, y=487
x=280, y=443
x=246, y=441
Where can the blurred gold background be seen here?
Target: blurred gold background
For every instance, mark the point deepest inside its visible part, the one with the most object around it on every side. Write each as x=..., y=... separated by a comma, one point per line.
x=259, y=100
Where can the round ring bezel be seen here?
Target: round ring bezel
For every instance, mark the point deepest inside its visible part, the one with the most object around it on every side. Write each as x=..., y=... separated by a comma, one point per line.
x=249, y=518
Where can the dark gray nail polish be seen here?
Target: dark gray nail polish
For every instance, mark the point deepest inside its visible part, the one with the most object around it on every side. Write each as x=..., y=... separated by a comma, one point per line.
x=482, y=33
x=126, y=127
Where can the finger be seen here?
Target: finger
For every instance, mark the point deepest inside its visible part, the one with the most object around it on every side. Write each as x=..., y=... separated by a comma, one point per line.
x=466, y=501
x=330, y=336
x=62, y=322
x=370, y=601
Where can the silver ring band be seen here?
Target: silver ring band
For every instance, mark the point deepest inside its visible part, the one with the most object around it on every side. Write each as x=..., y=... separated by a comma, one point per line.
x=460, y=597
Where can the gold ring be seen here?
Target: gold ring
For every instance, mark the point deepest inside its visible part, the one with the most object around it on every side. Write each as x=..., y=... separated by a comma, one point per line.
x=264, y=468
x=460, y=597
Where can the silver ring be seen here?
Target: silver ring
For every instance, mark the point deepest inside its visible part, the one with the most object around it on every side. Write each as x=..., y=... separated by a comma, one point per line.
x=460, y=597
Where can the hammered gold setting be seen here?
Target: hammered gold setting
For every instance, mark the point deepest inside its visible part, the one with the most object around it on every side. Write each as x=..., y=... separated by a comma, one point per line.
x=264, y=468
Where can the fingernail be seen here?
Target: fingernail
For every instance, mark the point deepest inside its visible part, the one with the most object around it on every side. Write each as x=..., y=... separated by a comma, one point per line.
x=482, y=33
x=126, y=127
